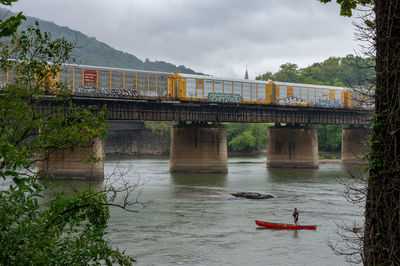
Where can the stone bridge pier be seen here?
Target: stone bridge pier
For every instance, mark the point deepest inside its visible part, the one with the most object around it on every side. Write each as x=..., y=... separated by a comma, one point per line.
x=198, y=147
x=354, y=146
x=71, y=163
x=292, y=147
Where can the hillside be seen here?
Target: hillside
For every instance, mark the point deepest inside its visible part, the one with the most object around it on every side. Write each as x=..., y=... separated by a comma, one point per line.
x=90, y=51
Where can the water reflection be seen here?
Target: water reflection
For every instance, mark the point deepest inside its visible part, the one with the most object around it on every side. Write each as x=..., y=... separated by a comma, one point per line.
x=295, y=233
x=288, y=175
x=198, y=185
x=355, y=170
x=67, y=187
x=199, y=179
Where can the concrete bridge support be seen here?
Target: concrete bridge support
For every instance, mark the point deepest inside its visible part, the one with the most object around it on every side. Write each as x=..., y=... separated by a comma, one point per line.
x=132, y=138
x=292, y=147
x=70, y=163
x=198, y=147
x=354, y=146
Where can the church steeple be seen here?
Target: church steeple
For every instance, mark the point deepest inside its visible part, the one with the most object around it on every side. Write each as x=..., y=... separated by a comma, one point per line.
x=246, y=74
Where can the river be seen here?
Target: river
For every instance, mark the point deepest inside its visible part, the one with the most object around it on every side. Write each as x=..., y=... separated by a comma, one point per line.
x=192, y=219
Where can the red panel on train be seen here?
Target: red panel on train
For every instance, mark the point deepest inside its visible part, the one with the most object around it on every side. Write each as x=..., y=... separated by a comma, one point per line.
x=89, y=76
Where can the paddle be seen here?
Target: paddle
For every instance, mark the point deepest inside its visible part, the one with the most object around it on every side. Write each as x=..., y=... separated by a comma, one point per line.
x=290, y=221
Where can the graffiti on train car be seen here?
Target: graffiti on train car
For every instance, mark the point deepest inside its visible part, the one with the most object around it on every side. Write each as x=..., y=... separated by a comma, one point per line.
x=106, y=92
x=368, y=106
x=292, y=101
x=224, y=98
x=328, y=103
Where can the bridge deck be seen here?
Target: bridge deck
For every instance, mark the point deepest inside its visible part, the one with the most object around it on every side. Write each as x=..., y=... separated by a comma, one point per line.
x=120, y=109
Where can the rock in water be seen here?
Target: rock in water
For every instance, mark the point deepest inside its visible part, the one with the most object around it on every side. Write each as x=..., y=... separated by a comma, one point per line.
x=252, y=195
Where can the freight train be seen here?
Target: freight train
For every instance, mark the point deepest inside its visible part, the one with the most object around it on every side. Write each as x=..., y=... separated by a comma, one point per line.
x=97, y=81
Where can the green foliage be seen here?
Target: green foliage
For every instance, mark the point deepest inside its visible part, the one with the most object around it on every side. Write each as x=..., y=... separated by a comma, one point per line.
x=243, y=142
x=347, y=6
x=11, y=24
x=20, y=121
x=67, y=230
x=260, y=133
x=287, y=72
x=266, y=76
x=7, y=2
x=159, y=128
x=247, y=137
x=329, y=137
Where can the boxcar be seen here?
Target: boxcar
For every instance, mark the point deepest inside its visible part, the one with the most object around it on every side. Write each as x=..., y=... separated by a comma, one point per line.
x=209, y=88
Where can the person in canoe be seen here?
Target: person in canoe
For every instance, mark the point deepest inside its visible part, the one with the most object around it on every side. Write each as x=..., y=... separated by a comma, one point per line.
x=295, y=216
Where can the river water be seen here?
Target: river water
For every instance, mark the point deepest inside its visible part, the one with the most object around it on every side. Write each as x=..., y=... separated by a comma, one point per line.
x=192, y=219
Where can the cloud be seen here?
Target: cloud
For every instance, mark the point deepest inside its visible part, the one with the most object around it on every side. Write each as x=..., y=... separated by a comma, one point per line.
x=215, y=37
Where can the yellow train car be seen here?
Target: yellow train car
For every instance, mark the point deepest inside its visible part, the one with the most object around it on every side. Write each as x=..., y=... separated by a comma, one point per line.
x=361, y=98
x=216, y=89
x=7, y=77
x=297, y=94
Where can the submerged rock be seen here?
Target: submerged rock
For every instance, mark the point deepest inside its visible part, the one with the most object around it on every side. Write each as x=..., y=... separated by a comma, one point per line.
x=252, y=195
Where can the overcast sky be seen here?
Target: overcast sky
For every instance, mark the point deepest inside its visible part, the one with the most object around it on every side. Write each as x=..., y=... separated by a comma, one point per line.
x=218, y=37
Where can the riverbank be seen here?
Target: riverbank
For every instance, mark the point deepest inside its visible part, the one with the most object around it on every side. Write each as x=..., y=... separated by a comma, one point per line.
x=329, y=161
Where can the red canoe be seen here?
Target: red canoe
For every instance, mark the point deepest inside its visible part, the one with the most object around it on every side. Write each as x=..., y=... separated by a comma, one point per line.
x=285, y=226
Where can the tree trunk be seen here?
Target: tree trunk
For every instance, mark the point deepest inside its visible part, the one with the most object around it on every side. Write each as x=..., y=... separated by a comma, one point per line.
x=382, y=224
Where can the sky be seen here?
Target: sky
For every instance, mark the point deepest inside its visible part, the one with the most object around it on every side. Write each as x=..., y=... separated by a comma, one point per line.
x=217, y=37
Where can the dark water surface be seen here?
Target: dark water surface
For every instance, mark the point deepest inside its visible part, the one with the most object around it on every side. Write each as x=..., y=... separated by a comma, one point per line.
x=193, y=220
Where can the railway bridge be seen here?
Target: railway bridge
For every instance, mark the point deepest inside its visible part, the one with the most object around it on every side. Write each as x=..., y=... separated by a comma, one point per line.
x=198, y=140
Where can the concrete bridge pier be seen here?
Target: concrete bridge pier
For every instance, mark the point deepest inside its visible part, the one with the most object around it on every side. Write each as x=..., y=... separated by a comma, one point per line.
x=354, y=146
x=70, y=163
x=292, y=147
x=198, y=147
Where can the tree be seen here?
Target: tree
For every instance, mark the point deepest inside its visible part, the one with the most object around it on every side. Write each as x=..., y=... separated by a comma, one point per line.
x=260, y=133
x=247, y=137
x=9, y=26
x=287, y=72
x=329, y=137
x=68, y=230
x=243, y=142
x=266, y=76
x=382, y=221
x=162, y=128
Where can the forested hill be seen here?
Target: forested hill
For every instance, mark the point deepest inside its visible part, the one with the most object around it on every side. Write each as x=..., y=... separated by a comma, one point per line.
x=348, y=71
x=90, y=51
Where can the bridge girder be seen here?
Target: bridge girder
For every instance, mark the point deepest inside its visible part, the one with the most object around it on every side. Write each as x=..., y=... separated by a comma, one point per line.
x=119, y=109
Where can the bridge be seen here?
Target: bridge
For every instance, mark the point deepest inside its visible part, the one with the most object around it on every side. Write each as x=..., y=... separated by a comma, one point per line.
x=201, y=147
x=140, y=110
x=200, y=104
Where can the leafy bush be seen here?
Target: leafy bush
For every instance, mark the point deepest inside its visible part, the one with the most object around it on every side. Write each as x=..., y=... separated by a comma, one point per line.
x=247, y=137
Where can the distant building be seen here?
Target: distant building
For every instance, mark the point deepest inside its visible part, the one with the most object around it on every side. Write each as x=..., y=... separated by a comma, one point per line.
x=246, y=75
